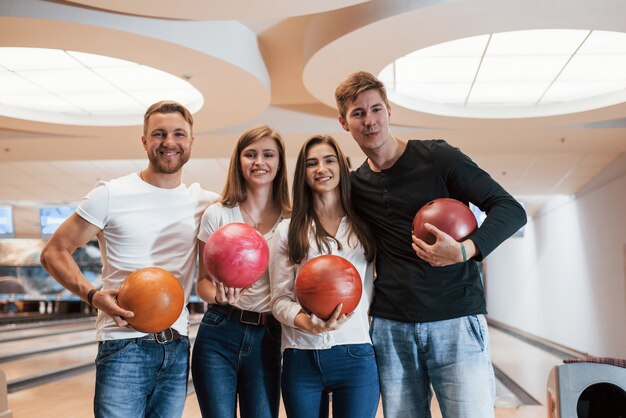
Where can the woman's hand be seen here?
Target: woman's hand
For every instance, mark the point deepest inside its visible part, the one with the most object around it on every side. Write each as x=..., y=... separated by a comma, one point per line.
x=227, y=295
x=315, y=325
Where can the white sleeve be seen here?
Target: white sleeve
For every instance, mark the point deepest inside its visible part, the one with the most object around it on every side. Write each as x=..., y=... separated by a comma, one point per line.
x=211, y=220
x=282, y=279
x=207, y=197
x=94, y=207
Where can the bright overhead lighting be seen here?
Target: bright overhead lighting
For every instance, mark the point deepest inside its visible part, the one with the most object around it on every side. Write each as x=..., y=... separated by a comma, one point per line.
x=65, y=81
x=33, y=59
x=76, y=88
x=563, y=91
x=513, y=74
x=554, y=42
x=506, y=94
x=105, y=103
x=519, y=69
x=595, y=68
x=465, y=47
x=436, y=69
x=604, y=43
x=437, y=92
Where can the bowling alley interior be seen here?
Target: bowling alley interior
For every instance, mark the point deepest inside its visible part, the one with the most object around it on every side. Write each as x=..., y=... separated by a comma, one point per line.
x=534, y=92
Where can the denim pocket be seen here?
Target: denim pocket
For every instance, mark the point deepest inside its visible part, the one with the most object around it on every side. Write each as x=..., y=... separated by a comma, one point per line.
x=111, y=349
x=213, y=319
x=360, y=350
x=477, y=330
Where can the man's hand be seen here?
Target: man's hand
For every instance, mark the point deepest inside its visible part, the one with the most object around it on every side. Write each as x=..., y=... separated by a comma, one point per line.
x=444, y=252
x=106, y=301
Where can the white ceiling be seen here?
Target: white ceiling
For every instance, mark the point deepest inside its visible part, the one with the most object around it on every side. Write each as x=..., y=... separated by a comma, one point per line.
x=281, y=66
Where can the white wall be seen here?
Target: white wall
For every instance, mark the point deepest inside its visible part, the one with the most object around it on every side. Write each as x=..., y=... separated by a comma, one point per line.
x=565, y=280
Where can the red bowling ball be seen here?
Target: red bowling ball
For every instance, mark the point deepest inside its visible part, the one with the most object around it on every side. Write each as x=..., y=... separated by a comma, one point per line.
x=236, y=255
x=154, y=295
x=449, y=215
x=326, y=281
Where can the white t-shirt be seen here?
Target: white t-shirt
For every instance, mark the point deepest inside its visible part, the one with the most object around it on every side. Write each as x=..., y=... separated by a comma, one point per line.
x=256, y=297
x=285, y=307
x=144, y=226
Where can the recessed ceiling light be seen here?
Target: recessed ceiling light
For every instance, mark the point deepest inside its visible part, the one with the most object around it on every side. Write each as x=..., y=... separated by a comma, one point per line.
x=513, y=74
x=76, y=88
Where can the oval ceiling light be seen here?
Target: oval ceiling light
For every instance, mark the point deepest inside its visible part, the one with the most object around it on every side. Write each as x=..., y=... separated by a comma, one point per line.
x=76, y=88
x=518, y=74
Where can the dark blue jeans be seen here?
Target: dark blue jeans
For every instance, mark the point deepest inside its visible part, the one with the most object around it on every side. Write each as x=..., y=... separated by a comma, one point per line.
x=137, y=378
x=231, y=358
x=347, y=371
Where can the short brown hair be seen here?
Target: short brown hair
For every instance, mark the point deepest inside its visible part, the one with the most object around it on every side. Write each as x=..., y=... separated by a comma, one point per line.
x=356, y=83
x=167, y=106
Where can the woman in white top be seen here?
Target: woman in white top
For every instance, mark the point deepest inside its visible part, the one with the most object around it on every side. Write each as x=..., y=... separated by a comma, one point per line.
x=335, y=355
x=236, y=355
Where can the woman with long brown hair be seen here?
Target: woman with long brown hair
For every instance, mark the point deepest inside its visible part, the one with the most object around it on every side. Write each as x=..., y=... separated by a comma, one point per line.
x=335, y=355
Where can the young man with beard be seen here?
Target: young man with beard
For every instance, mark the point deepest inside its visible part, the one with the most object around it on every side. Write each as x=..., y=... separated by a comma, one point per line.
x=428, y=326
x=141, y=220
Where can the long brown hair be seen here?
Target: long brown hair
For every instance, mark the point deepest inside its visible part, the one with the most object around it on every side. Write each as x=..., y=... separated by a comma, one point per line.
x=235, y=189
x=304, y=216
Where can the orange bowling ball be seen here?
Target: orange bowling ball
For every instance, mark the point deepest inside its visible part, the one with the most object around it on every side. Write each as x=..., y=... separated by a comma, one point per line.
x=155, y=296
x=448, y=215
x=326, y=281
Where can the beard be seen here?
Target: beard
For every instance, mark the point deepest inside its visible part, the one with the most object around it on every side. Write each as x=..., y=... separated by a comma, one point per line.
x=163, y=166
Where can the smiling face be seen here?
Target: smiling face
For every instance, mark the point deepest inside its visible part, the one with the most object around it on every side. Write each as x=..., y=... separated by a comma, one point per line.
x=260, y=161
x=167, y=140
x=322, y=168
x=367, y=119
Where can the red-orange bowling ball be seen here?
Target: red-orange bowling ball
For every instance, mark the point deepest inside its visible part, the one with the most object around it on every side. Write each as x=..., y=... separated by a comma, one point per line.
x=326, y=281
x=236, y=254
x=155, y=296
x=449, y=215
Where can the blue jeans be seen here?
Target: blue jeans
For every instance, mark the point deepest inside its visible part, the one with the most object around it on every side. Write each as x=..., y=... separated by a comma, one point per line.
x=452, y=355
x=231, y=358
x=138, y=378
x=347, y=371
